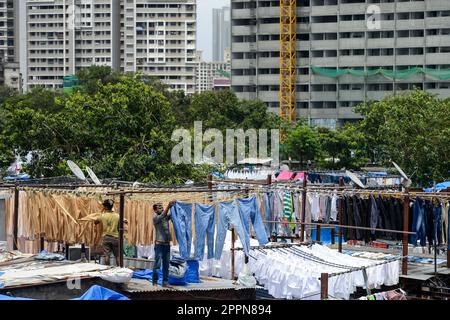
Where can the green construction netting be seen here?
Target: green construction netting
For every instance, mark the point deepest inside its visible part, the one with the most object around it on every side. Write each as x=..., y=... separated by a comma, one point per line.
x=70, y=82
x=224, y=73
x=441, y=74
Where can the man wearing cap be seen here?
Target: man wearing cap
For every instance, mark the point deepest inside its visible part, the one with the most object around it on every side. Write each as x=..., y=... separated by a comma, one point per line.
x=161, y=219
x=110, y=231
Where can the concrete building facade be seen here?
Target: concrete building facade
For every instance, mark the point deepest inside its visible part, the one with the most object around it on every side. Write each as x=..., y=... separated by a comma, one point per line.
x=8, y=72
x=59, y=37
x=221, y=32
x=394, y=35
x=211, y=75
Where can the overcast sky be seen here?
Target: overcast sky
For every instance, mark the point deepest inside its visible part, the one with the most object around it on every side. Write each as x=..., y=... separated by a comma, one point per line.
x=204, y=25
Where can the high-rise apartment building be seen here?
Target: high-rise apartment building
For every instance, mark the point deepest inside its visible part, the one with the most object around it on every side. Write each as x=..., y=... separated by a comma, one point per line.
x=59, y=37
x=221, y=32
x=211, y=75
x=9, y=74
x=336, y=40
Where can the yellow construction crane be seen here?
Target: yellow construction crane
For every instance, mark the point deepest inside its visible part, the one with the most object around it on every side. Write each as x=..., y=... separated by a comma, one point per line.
x=288, y=60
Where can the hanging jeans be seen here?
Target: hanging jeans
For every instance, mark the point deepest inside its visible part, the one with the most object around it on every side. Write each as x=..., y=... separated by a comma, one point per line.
x=418, y=224
x=229, y=215
x=182, y=223
x=268, y=208
x=162, y=252
x=249, y=211
x=205, y=221
x=437, y=210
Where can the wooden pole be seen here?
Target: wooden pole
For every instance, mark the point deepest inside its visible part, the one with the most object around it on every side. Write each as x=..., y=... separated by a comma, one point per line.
x=303, y=212
x=16, y=218
x=324, y=286
x=121, y=219
x=42, y=243
x=405, y=236
x=340, y=213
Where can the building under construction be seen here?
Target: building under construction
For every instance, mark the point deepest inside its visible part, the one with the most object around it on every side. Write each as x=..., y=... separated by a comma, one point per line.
x=317, y=59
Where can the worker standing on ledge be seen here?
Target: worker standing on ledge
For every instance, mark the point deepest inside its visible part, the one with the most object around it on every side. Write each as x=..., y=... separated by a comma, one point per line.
x=162, y=241
x=110, y=230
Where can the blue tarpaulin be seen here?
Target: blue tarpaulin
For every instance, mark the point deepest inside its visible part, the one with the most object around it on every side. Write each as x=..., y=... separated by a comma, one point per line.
x=439, y=186
x=2, y=298
x=94, y=293
x=101, y=293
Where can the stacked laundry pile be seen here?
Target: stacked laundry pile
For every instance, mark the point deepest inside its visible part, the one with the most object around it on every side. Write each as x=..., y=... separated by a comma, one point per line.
x=294, y=273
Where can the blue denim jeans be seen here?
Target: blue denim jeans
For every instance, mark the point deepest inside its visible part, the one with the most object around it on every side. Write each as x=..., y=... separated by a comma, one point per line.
x=162, y=252
x=229, y=215
x=437, y=224
x=182, y=223
x=249, y=211
x=268, y=208
x=418, y=224
x=205, y=222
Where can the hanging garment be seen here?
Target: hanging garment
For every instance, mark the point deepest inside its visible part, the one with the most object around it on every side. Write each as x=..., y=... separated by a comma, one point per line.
x=205, y=222
x=334, y=208
x=229, y=215
x=182, y=222
x=249, y=211
x=374, y=215
x=278, y=211
x=418, y=224
x=288, y=208
x=268, y=208
x=444, y=218
x=437, y=224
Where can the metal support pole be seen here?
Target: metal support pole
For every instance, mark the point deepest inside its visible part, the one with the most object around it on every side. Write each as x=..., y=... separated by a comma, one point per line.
x=303, y=212
x=121, y=219
x=232, y=253
x=324, y=286
x=317, y=233
x=405, y=236
x=269, y=182
x=333, y=235
x=340, y=212
x=16, y=218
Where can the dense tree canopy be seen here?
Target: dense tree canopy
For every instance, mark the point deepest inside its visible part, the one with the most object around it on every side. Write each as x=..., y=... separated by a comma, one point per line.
x=121, y=126
x=412, y=129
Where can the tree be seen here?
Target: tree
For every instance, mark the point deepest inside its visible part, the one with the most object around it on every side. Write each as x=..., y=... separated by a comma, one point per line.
x=90, y=78
x=122, y=130
x=302, y=143
x=412, y=129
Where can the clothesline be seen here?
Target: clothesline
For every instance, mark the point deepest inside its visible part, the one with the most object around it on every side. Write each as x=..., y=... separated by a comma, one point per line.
x=340, y=226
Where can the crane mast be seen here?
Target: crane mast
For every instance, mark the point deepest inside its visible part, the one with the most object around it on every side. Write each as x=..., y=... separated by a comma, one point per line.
x=288, y=60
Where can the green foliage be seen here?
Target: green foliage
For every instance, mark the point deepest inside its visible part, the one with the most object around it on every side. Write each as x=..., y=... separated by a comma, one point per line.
x=412, y=129
x=302, y=143
x=121, y=126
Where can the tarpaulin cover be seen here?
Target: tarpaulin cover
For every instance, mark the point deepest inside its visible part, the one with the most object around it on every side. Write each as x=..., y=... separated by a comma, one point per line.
x=148, y=274
x=94, y=293
x=441, y=74
x=285, y=175
x=300, y=176
x=100, y=293
x=2, y=298
x=192, y=274
x=439, y=186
